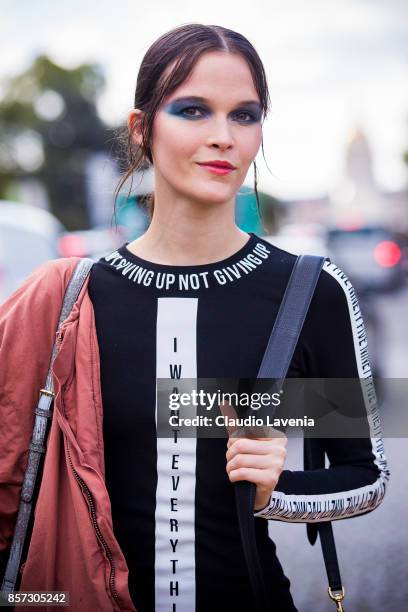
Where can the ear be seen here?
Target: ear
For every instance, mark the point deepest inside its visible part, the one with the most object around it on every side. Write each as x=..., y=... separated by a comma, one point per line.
x=134, y=123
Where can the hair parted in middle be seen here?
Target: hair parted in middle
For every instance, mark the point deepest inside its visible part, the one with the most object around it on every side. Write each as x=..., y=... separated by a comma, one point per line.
x=182, y=46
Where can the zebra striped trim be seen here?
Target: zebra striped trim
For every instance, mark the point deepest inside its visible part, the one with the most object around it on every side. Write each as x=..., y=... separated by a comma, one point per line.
x=345, y=504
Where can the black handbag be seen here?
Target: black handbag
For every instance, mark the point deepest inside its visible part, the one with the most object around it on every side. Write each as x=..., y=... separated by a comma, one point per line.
x=275, y=364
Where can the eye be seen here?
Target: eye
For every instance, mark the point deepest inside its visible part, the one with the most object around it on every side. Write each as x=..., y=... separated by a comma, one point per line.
x=249, y=115
x=191, y=114
x=195, y=112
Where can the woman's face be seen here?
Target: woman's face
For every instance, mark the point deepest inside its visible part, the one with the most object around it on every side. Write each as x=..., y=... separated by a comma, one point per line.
x=225, y=124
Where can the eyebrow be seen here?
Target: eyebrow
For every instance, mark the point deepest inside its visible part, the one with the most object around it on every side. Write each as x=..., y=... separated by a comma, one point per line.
x=206, y=101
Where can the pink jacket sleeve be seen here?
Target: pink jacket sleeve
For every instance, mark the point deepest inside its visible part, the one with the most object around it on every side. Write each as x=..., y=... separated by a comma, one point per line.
x=28, y=320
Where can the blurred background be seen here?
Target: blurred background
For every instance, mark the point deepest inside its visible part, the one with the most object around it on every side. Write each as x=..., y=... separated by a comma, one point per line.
x=335, y=183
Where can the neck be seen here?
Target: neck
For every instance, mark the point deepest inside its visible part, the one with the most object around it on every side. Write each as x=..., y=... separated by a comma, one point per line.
x=185, y=233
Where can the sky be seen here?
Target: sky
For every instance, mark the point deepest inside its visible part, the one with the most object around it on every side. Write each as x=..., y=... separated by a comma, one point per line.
x=332, y=65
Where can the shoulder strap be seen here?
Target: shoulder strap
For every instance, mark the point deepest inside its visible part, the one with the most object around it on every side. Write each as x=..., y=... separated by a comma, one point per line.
x=291, y=315
x=313, y=460
x=43, y=413
x=275, y=364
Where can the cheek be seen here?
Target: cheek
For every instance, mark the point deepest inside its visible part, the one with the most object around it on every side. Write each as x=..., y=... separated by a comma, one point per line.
x=250, y=143
x=172, y=141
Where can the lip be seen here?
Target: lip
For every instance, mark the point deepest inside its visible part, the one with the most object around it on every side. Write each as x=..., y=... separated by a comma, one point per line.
x=219, y=163
x=217, y=167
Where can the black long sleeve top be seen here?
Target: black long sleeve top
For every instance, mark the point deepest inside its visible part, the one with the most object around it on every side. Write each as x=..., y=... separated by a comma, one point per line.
x=173, y=505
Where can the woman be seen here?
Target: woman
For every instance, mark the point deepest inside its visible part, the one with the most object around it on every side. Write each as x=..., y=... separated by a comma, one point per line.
x=126, y=518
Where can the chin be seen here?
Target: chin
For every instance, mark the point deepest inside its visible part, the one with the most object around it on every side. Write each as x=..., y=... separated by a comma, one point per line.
x=214, y=195
x=213, y=199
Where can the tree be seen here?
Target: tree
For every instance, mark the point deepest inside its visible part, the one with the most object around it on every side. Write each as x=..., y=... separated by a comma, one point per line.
x=50, y=126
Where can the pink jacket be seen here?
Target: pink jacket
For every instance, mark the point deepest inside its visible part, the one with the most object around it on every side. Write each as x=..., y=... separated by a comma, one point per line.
x=73, y=547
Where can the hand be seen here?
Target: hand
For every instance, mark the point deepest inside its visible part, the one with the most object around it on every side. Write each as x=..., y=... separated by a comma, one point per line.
x=258, y=460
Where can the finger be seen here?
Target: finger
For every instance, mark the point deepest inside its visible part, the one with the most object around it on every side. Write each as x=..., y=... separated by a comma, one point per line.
x=235, y=438
x=232, y=441
x=264, y=478
x=259, y=446
x=277, y=457
x=260, y=462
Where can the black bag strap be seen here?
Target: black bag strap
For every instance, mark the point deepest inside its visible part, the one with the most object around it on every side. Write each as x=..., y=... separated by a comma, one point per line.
x=314, y=457
x=43, y=413
x=275, y=364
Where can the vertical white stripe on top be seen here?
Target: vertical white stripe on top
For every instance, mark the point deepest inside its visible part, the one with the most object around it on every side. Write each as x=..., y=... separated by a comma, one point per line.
x=176, y=350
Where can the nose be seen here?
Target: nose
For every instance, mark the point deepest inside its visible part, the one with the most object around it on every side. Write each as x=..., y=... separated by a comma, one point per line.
x=220, y=135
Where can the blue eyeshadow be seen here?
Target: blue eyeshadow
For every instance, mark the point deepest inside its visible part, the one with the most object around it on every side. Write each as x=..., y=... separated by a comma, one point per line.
x=176, y=106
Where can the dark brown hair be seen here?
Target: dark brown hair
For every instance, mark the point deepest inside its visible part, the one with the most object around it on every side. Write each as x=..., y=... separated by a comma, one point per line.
x=183, y=45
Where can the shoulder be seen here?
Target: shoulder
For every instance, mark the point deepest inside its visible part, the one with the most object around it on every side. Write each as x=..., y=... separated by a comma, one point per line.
x=334, y=305
x=277, y=254
x=334, y=288
x=277, y=265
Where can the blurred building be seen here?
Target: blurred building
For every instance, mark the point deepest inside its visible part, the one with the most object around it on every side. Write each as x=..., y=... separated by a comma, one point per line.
x=356, y=199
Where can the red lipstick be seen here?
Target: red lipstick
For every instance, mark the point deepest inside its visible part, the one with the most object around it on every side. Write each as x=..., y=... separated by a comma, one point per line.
x=218, y=166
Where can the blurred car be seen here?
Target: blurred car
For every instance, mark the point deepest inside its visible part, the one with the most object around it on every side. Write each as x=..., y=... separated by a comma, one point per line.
x=370, y=256
x=401, y=238
x=28, y=237
x=93, y=243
